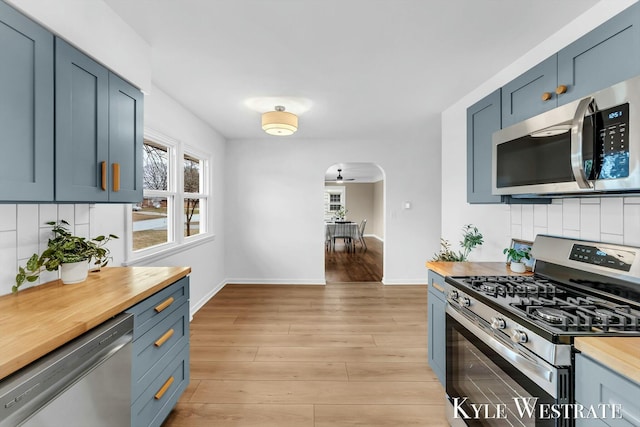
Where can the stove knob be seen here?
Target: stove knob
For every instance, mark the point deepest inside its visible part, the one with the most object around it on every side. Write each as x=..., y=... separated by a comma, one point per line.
x=466, y=302
x=498, y=323
x=519, y=336
x=453, y=295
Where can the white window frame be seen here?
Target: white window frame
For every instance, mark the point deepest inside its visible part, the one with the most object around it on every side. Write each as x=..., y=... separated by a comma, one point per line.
x=334, y=189
x=175, y=195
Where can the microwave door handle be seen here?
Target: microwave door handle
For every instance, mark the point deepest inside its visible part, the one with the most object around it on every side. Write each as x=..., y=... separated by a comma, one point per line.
x=577, y=128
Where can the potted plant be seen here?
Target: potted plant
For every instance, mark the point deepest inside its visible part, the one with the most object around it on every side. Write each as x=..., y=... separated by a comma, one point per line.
x=70, y=253
x=471, y=238
x=516, y=256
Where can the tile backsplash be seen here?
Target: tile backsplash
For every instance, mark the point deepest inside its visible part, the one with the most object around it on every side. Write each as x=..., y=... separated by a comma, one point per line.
x=23, y=232
x=606, y=219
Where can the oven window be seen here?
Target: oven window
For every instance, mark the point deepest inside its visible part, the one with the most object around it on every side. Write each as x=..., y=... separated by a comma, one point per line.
x=479, y=374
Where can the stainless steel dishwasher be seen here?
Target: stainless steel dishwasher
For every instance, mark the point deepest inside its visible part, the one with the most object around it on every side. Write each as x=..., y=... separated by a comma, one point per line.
x=86, y=382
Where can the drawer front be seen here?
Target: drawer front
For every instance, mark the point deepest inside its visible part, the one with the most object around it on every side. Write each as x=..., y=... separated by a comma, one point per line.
x=436, y=285
x=149, y=349
x=158, y=306
x=597, y=384
x=157, y=400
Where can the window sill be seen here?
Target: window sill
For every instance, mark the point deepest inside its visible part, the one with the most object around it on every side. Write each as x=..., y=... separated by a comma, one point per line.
x=168, y=250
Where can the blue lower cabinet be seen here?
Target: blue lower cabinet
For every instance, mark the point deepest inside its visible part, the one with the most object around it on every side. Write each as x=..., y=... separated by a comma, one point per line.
x=158, y=399
x=436, y=334
x=160, y=365
x=596, y=384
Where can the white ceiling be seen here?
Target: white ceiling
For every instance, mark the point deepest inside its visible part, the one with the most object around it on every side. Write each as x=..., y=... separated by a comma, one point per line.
x=365, y=69
x=354, y=172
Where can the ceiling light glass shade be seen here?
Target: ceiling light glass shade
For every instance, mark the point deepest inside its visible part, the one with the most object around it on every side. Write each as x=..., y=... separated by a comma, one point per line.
x=279, y=122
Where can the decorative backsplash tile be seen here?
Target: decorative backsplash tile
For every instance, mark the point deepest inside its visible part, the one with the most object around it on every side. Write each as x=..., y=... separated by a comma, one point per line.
x=614, y=219
x=23, y=232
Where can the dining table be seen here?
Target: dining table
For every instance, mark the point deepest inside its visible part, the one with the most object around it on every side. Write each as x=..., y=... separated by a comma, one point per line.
x=348, y=231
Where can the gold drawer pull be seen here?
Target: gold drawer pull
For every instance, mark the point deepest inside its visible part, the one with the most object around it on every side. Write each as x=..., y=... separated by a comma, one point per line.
x=561, y=89
x=163, y=389
x=166, y=303
x=103, y=167
x=438, y=287
x=546, y=96
x=116, y=177
x=164, y=338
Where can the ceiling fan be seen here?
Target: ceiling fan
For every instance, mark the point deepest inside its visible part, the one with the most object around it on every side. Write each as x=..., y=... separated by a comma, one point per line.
x=339, y=178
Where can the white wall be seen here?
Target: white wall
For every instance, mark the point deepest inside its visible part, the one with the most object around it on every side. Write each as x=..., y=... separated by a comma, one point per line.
x=274, y=206
x=499, y=223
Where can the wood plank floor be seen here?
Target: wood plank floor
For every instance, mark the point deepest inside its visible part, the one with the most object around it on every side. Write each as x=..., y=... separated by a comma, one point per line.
x=340, y=355
x=341, y=265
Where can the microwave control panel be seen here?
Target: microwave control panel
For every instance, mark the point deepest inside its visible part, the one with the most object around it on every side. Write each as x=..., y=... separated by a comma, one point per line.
x=613, y=142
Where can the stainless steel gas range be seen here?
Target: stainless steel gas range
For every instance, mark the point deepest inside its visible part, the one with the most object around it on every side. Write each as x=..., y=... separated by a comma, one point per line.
x=510, y=338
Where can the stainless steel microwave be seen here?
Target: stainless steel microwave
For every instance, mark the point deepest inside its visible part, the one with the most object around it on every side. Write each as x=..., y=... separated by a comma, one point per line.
x=589, y=146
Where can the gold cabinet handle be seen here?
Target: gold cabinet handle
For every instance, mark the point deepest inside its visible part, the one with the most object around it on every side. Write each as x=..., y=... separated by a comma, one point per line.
x=116, y=177
x=164, y=338
x=561, y=89
x=438, y=287
x=546, y=96
x=164, y=304
x=103, y=167
x=164, y=388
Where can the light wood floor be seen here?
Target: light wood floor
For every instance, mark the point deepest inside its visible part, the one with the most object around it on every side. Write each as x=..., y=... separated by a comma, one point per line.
x=311, y=356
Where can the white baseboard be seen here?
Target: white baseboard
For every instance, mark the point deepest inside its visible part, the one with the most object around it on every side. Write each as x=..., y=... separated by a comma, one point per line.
x=199, y=304
x=276, y=281
x=374, y=236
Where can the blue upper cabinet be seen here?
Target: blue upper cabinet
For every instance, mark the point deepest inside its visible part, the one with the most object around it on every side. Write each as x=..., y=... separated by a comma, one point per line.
x=26, y=108
x=82, y=126
x=98, y=132
x=607, y=55
x=483, y=119
x=531, y=93
x=125, y=141
x=604, y=56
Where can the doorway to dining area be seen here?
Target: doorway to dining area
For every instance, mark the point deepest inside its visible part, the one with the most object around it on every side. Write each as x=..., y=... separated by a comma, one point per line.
x=354, y=223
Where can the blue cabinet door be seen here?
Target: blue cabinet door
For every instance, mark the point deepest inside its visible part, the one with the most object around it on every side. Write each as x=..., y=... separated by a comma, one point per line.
x=483, y=119
x=125, y=141
x=606, y=55
x=26, y=108
x=82, y=126
x=436, y=334
x=523, y=97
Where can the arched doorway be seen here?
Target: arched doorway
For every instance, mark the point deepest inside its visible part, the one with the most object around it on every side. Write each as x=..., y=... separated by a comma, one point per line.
x=354, y=193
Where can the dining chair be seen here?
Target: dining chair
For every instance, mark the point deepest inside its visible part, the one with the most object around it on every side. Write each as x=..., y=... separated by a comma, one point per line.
x=343, y=231
x=363, y=224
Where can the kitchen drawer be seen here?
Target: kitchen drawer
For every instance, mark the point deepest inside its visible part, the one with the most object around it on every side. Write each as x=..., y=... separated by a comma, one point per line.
x=158, y=306
x=171, y=333
x=157, y=400
x=597, y=384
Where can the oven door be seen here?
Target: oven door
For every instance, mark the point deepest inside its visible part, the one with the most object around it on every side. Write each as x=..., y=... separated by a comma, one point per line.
x=490, y=382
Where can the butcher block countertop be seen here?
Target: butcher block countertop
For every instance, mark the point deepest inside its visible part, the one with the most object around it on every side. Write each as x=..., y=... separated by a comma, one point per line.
x=40, y=319
x=621, y=354
x=469, y=268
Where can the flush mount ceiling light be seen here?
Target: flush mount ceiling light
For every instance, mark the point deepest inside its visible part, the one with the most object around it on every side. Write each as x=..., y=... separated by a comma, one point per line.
x=279, y=122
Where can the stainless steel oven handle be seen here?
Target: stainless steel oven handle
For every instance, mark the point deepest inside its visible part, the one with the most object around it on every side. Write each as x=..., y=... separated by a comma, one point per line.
x=577, y=128
x=508, y=353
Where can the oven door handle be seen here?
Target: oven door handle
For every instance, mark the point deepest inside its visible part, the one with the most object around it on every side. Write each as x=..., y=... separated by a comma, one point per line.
x=577, y=132
x=509, y=354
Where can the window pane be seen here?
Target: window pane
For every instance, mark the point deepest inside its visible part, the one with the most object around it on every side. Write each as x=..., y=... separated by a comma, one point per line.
x=150, y=223
x=192, y=169
x=156, y=166
x=192, y=216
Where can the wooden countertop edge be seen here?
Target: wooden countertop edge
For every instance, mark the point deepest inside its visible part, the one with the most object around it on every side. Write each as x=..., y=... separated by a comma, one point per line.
x=20, y=358
x=620, y=354
x=467, y=268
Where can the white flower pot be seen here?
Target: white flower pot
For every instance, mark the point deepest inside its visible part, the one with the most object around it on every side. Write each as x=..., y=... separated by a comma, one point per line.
x=74, y=272
x=518, y=267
